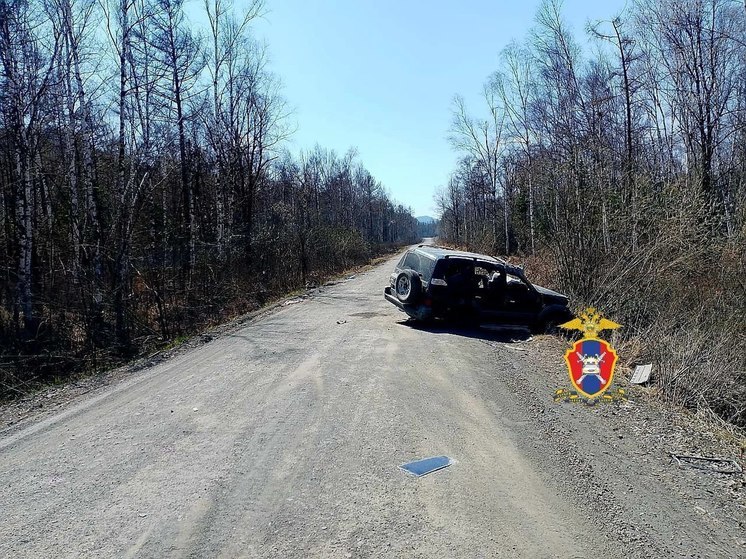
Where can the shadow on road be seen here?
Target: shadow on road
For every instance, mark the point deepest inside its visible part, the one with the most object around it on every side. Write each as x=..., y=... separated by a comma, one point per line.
x=501, y=334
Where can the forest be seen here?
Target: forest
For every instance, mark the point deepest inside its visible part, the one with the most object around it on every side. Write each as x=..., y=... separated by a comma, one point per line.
x=146, y=188
x=614, y=166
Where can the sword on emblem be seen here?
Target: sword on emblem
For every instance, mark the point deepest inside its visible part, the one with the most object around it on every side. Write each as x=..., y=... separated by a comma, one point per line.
x=591, y=366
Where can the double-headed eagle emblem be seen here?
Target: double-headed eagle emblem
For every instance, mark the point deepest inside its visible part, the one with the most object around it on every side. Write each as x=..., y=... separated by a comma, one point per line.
x=590, y=322
x=591, y=360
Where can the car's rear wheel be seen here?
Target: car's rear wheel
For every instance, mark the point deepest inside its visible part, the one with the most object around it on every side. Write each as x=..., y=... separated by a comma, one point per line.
x=549, y=325
x=408, y=286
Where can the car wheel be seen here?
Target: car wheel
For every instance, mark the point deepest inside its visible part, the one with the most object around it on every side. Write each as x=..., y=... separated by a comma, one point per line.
x=408, y=286
x=551, y=326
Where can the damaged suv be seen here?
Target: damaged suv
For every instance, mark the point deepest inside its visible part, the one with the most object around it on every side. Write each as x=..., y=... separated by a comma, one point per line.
x=433, y=282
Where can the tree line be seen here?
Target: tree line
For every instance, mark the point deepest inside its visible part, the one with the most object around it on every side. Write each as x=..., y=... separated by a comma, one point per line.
x=619, y=173
x=145, y=186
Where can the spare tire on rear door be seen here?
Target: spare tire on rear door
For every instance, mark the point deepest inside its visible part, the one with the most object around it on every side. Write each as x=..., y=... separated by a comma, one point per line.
x=408, y=286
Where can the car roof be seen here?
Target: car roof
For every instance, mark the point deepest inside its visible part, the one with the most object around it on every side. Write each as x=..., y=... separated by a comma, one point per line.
x=436, y=252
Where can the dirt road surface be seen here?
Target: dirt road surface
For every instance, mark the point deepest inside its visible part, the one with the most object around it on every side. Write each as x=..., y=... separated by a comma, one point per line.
x=283, y=437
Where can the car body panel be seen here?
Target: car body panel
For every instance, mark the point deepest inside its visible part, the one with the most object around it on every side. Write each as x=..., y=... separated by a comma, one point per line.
x=419, y=312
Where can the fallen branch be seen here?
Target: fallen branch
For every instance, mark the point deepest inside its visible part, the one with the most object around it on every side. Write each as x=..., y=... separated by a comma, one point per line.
x=690, y=461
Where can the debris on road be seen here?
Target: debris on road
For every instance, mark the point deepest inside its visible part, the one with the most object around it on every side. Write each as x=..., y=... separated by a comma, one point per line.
x=293, y=301
x=426, y=466
x=641, y=374
x=711, y=464
x=511, y=343
x=342, y=321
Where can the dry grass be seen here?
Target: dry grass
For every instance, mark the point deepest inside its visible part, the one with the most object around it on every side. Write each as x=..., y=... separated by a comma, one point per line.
x=681, y=304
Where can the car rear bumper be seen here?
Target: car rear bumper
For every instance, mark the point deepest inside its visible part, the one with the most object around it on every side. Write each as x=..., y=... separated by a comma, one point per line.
x=420, y=312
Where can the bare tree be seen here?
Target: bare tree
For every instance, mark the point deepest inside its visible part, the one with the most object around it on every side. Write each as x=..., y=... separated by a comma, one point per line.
x=180, y=53
x=625, y=47
x=228, y=43
x=28, y=53
x=516, y=86
x=699, y=44
x=482, y=141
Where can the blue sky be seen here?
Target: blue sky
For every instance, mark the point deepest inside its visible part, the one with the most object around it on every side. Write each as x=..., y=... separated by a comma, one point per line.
x=380, y=75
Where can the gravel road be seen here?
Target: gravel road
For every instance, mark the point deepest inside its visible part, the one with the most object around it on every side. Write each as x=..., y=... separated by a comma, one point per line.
x=283, y=437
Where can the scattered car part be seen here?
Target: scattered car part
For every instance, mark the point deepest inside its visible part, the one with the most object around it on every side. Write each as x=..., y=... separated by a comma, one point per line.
x=426, y=466
x=641, y=374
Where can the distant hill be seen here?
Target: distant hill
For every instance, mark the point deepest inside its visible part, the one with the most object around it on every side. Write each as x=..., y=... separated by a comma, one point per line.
x=427, y=226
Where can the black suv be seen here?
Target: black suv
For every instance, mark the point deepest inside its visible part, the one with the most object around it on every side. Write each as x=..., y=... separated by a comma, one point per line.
x=434, y=282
